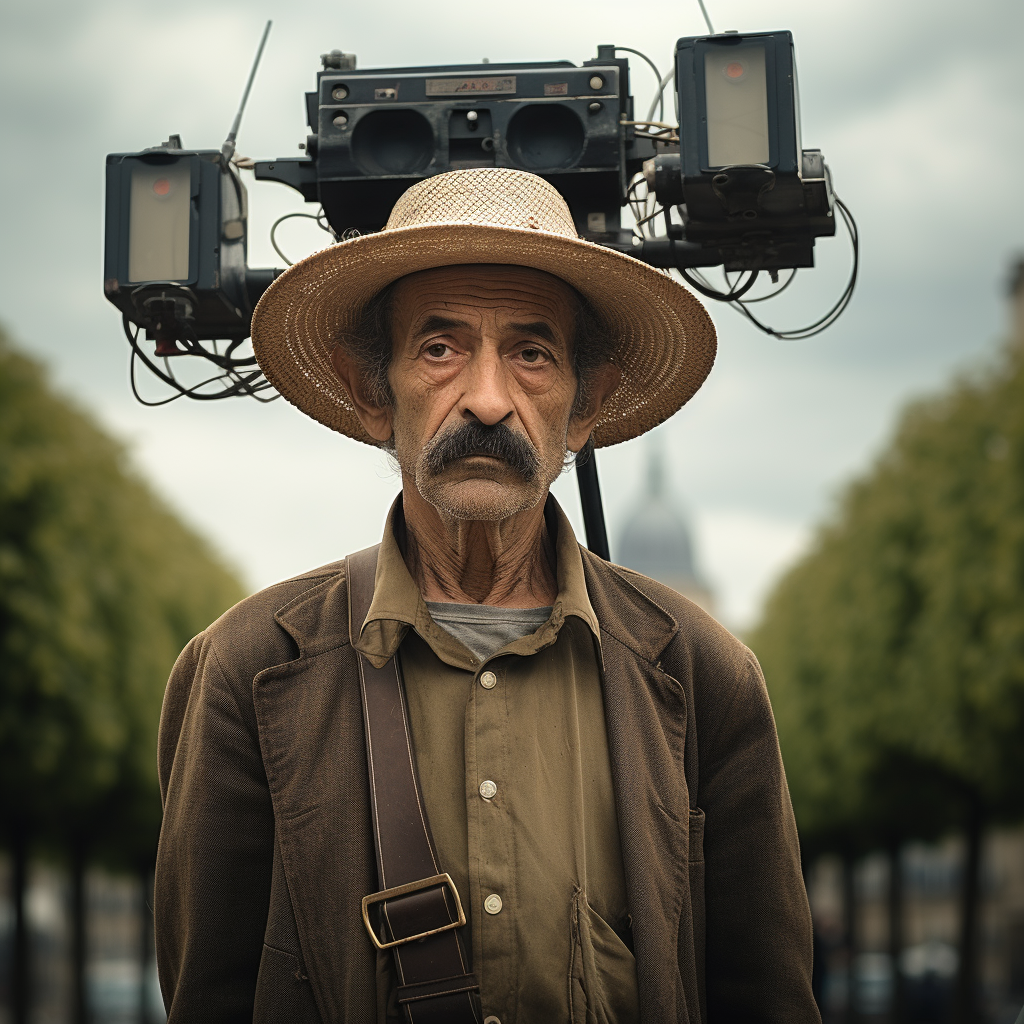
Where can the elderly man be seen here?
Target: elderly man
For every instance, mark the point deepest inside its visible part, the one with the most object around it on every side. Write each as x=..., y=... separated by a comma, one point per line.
x=477, y=773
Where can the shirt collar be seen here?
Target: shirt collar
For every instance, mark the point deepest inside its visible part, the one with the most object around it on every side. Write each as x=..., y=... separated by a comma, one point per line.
x=398, y=606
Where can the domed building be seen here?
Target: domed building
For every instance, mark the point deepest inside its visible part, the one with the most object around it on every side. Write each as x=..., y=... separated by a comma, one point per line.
x=656, y=539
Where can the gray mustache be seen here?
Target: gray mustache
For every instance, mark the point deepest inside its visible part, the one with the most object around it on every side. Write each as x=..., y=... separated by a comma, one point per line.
x=474, y=438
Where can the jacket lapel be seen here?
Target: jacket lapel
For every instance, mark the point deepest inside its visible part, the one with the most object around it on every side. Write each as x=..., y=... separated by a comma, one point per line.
x=311, y=735
x=646, y=712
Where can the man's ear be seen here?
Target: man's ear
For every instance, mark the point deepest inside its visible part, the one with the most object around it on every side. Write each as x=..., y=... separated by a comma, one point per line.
x=604, y=381
x=376, y=420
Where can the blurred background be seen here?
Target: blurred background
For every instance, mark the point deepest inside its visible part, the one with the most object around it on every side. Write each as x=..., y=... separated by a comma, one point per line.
x=852, y=506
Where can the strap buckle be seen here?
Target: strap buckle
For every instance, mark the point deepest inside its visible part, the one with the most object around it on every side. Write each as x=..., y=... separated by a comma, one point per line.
x=405, y=890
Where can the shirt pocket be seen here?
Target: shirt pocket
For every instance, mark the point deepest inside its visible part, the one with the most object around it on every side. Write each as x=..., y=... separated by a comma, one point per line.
x=602, y=970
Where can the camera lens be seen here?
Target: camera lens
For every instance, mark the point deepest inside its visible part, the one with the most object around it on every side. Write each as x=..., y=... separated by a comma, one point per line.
x=393, y=142
x=545, y=136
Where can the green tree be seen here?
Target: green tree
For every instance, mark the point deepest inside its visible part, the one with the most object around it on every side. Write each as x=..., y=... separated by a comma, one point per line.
x=100, y=587
x=894, y=650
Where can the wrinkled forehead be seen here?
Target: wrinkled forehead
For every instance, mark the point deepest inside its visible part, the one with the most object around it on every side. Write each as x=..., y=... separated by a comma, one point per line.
x=504, y=291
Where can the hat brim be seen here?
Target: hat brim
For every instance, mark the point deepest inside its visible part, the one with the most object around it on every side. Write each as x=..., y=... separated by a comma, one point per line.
x=664, y=339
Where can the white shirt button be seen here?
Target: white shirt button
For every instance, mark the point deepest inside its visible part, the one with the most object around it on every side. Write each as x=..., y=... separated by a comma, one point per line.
x=493, y=904
x=488, y=789
x=488, y=680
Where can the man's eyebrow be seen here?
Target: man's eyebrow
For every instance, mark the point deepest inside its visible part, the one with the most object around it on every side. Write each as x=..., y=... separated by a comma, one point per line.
x=537, y=328
x=438, y=323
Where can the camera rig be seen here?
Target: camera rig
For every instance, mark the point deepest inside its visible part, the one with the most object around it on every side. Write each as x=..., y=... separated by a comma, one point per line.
x=727, y=185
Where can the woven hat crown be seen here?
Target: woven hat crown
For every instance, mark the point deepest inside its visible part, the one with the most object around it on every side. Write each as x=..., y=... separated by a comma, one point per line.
x=493, y=196
x=664, y=340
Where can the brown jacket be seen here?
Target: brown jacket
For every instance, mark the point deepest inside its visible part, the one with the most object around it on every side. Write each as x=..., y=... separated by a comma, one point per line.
x=266, y=850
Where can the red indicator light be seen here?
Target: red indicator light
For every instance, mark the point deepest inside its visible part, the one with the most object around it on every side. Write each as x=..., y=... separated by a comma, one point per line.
x=161, y=186
x=734, y=70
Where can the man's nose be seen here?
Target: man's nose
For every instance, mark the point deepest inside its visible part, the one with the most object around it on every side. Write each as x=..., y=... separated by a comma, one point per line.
x=486, y=396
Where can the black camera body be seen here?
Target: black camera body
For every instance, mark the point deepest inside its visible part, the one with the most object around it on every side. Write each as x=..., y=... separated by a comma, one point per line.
x=728, y=185
x=376, y=132
x=176, y=245
x=749, y=197
x=732, y=185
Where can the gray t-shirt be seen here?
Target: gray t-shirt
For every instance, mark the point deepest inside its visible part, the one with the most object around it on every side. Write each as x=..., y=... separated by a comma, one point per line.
x=484, y=628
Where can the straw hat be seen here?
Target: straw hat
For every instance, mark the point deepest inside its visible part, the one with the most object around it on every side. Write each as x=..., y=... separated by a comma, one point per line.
x=665, y=341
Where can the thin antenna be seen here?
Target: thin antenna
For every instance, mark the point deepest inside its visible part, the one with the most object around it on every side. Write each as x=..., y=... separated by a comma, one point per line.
x=704, y=11
x=227, y=151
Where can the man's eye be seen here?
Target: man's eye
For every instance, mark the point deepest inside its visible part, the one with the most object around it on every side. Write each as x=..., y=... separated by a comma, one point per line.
x=437, y=350
x=531, y=355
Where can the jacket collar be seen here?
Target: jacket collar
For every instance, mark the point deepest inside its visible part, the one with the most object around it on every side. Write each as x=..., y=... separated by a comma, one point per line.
x=626, y=614
x=317, y=620
x=398, y=606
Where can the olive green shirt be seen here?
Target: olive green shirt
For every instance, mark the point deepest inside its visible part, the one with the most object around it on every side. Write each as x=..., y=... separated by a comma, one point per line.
x=513, y=762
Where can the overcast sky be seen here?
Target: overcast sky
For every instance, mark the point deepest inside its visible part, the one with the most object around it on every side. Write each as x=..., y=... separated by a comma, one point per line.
x=917, y=106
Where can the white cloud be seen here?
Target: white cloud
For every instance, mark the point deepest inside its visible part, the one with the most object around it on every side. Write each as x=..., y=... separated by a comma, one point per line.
x=743, y=554
x=916, y=105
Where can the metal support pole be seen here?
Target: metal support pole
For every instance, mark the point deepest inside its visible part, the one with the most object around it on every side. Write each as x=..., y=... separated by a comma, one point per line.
x=590, y=499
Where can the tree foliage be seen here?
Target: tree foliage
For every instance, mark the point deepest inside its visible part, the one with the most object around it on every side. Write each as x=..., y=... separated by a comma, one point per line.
x=100, y=588
x=894, y=651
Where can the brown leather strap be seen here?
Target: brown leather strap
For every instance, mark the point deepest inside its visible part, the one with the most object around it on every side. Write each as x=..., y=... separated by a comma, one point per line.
x=436, y=985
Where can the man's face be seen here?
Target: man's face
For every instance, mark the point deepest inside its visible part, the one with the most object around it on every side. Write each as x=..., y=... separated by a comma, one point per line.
x=483, y=386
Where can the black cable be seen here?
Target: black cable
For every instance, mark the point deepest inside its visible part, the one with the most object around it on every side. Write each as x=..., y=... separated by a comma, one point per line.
x=250, y=383
x=634, y=200
x=649, y=216
x=273, y=229
x=180, y=392
x=309, y=216
x=733, y=295
x=736, y=293
x=657, y=77
x=322, y=221
x=226, y=362
x=837, y=310
x=714, y=293
x=778, y=291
